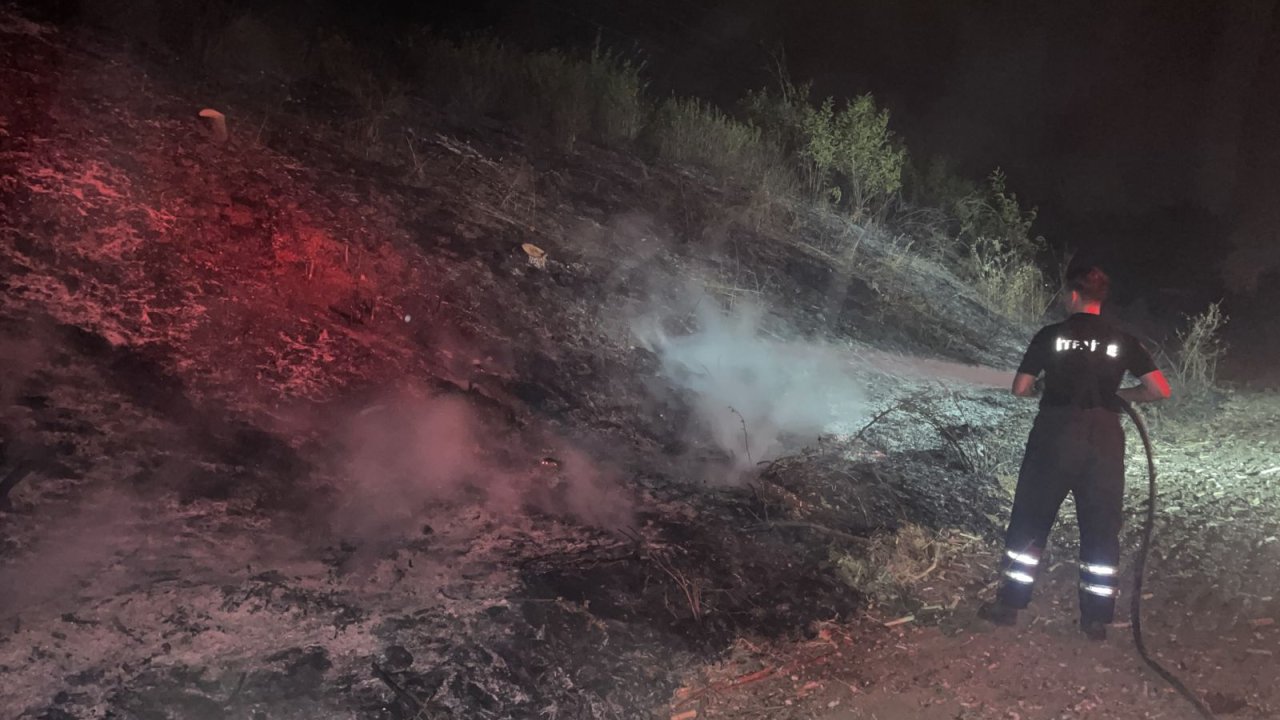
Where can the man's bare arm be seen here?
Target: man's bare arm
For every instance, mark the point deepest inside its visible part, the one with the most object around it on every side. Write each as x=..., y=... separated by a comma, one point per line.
x=1154, y=387
x=1024, y=385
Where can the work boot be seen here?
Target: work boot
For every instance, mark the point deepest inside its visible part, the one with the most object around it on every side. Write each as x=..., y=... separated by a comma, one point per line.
x=997, y=613
x=1094, y=629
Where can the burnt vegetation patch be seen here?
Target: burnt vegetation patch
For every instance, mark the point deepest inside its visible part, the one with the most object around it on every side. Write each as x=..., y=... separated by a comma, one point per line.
x=856, y=496
x=686, y=597
x=333, y=248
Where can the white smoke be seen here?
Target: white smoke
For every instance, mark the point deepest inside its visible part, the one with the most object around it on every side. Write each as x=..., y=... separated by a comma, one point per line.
x=753, y=393
x=413, y=455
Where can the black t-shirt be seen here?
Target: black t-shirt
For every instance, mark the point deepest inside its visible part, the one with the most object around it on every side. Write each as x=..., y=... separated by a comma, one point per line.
x=1084, y=359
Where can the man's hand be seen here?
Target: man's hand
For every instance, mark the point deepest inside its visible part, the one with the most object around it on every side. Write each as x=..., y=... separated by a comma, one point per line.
x=1154, y=387
x=1024, y=385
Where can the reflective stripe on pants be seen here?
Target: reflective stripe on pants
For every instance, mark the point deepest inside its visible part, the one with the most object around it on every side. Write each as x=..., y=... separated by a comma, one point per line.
x=1079, y=452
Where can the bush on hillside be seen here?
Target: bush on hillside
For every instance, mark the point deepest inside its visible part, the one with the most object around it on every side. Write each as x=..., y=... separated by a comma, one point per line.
x=785, y=147
x=466, y=79
x=1194, y=370
x=1000, y=254
x=993, y=213
x=844, y=154
x=599, y=97
x=687, y=130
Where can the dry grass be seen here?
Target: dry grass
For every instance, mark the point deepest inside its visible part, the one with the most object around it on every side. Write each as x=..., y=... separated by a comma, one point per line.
x=1000, y=251
x=693, y=132
x=1193, y=368
x=1012, y=285
x=896, y=565
x=690, y=586
x=900, y=257
x=1200, y=350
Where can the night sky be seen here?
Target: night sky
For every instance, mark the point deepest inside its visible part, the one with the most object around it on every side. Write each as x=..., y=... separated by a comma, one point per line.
x=1143, y=131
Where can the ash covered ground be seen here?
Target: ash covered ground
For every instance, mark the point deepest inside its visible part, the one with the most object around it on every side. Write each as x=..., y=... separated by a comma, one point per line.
x=295, y=433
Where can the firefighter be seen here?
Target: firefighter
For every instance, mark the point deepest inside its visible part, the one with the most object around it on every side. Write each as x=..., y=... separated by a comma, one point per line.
x=1076, y=445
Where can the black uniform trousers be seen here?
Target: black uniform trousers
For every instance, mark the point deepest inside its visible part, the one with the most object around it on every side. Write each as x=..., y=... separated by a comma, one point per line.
x=1080, y=452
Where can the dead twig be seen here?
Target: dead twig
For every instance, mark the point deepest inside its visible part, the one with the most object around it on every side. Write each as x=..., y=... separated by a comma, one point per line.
x=739, y=681
x=769, y=464
x=408, y=698
x=419, y=165
x=690, y=587
x=930, y=414
x=753, y=677
x=633, y=535
x=881, y=415
x=932, y=566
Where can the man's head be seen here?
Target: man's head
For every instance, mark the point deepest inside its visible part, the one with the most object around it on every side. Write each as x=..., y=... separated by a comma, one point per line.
x=1086, y=290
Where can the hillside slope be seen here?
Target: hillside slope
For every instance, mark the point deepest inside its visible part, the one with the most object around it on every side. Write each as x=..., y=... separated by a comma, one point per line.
x=293, y=433
x=293, y=412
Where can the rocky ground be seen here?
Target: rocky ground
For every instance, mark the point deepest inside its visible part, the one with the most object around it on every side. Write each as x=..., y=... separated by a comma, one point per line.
x=292, y=431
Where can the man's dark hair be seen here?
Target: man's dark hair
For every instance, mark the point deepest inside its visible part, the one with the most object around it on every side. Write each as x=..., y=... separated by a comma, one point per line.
x=1092, y=284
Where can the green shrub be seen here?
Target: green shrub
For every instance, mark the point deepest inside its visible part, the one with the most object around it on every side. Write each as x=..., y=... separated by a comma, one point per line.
x=599, y=97
x=618, y=91
x=551, y=93
x=1000, y=254
x=817, y=149
x=845, y=155
x=1013, y=285
x=687, y=130
x=994, y=214
x=467, y=79
x=867, y=155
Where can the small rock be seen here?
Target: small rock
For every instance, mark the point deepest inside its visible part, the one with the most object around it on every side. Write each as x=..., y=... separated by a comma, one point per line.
x=398, y=658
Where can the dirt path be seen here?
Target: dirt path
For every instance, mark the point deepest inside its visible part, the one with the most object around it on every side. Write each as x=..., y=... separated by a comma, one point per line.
x=1211, y=614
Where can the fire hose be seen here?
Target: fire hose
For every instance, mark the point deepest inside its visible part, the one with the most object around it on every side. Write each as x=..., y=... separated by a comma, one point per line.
x=1140, y=564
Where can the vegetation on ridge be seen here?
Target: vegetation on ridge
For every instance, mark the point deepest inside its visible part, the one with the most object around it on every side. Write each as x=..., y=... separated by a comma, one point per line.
x=792, y=151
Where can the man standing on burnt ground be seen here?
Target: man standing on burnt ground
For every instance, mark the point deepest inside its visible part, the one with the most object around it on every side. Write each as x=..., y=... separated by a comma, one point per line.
x=1076, y=445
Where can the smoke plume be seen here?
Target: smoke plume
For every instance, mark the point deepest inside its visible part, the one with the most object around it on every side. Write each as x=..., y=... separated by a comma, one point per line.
x=752, y=393
x=413, y=456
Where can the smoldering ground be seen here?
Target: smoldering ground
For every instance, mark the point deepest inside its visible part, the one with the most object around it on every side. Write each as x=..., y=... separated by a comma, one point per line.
x=85, y=545
x=389, y=464
x=757, y=390
x=410, y=455
x=753, y=394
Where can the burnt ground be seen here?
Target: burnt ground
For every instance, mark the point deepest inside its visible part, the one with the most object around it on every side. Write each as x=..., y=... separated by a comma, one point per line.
x=207, y=347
